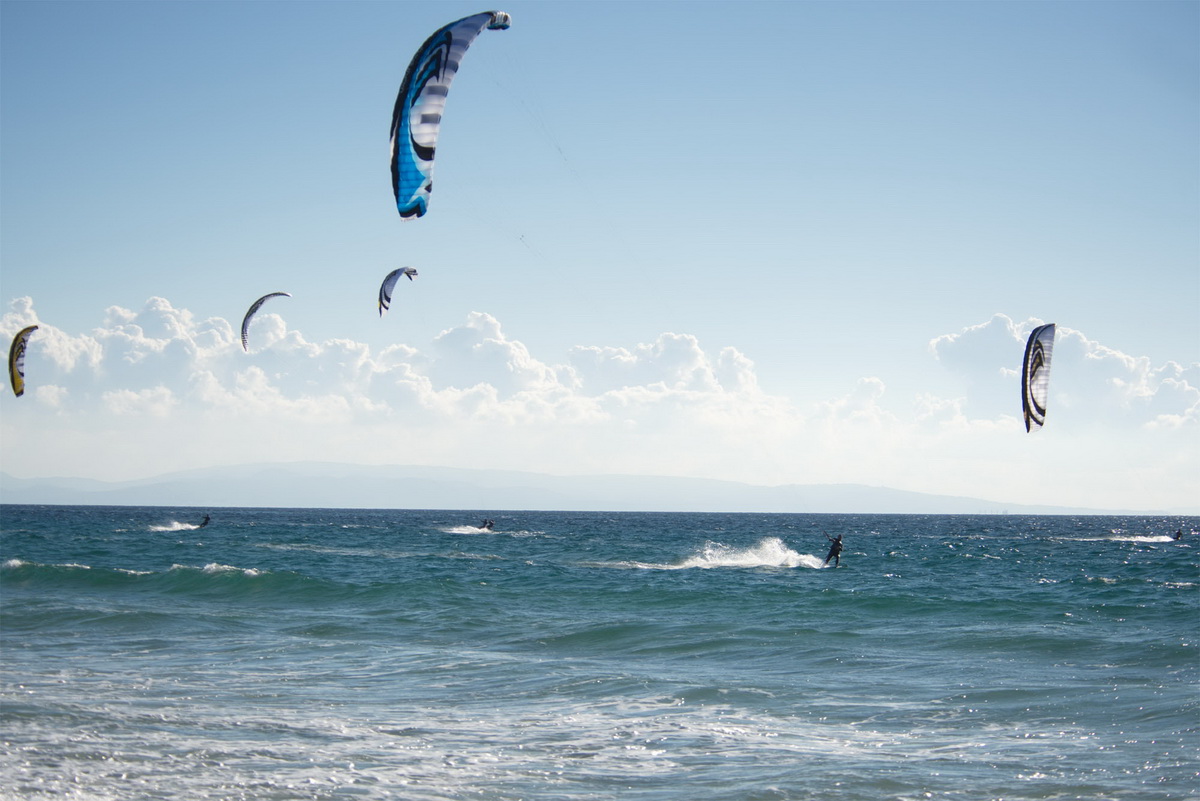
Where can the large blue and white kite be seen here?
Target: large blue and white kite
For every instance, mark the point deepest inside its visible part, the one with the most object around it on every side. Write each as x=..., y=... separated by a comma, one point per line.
x=417, y=118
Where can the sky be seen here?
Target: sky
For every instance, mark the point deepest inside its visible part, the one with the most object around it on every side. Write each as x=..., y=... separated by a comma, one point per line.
x=776, y=242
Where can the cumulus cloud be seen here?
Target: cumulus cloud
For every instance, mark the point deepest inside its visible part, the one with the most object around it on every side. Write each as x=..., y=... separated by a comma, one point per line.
x=1090, y=384
x=673, y=362
x=171, y=391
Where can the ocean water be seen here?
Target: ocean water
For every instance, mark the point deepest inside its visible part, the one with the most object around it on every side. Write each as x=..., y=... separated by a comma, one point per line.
x=353, y=654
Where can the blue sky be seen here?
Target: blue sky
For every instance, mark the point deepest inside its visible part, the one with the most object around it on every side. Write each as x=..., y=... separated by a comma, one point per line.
x=774, y=242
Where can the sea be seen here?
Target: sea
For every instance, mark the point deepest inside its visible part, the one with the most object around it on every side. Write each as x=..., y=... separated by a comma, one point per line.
x=401, y=654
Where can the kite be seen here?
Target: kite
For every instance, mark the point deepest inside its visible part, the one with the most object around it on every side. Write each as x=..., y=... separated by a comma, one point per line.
x=1035, y=376
x=385, y=290
x=16, y=360
x=417, y=117
x=253, y=310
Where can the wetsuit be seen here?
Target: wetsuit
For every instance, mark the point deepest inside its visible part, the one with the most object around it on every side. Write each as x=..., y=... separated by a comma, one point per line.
x=835, y=550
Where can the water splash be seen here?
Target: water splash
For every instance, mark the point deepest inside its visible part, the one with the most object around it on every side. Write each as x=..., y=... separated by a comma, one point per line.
x=467, y=530
x=767, y=552
x=175, y=525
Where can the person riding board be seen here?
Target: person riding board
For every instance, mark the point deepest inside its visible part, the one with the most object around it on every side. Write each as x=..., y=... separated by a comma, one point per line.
x=835, y=550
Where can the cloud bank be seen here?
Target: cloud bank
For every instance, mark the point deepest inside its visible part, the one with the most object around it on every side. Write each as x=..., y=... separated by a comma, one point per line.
x=157, y=389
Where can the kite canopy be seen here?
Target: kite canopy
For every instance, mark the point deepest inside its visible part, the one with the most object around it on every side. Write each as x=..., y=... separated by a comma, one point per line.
x=417, y=117
x=254, y=307
x=16, y=360
x=389, y=283
x=1035, y=376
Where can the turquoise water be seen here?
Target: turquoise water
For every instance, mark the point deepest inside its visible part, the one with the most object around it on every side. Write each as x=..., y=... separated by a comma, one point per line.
x=351, y=654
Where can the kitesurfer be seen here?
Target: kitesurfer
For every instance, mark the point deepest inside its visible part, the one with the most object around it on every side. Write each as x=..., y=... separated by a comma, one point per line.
x=486, y=525
x=204, y=522
x=835, y=550
x=1178, y=534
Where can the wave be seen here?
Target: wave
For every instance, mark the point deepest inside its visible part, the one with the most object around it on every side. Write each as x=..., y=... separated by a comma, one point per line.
x=1122, y=537
x=213, y=579
x=215, y=569
x=28, y=568
x=175, y=525
x=767, y=552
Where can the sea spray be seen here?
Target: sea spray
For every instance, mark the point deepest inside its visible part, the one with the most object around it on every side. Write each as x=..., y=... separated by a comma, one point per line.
x=174, y=525
x=767, y=552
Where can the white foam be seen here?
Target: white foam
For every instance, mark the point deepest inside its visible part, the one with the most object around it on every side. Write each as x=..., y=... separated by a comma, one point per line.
x=1117, y=537
x=175, y=525
x=466, y=530
x=215, y=568
x=13, y=564
x=767, y=552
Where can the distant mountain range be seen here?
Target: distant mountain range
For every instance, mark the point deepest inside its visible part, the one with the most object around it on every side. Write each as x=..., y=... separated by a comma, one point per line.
x=330, y=485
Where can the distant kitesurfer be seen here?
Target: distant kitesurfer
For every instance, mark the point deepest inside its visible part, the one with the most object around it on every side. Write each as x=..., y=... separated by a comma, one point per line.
x=835, y=550
x=204, y=522
x=1178, y=534
x=486, y=525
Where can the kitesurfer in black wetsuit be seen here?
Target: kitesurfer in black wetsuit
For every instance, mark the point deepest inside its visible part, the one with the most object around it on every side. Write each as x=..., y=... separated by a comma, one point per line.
x=835, y=550
x=1179, y=534
x=204, y=522
x=487, y=524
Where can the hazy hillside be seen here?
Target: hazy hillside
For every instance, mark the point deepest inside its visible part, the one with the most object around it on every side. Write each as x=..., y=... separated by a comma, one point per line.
x=312, y=484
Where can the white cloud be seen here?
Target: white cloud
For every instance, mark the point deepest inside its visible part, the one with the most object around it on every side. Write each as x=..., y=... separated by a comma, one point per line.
x=1090, y=384
x=156, y=402
x=50, y=395
x=479, y=353
x=676, y=361
x=158, y=389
